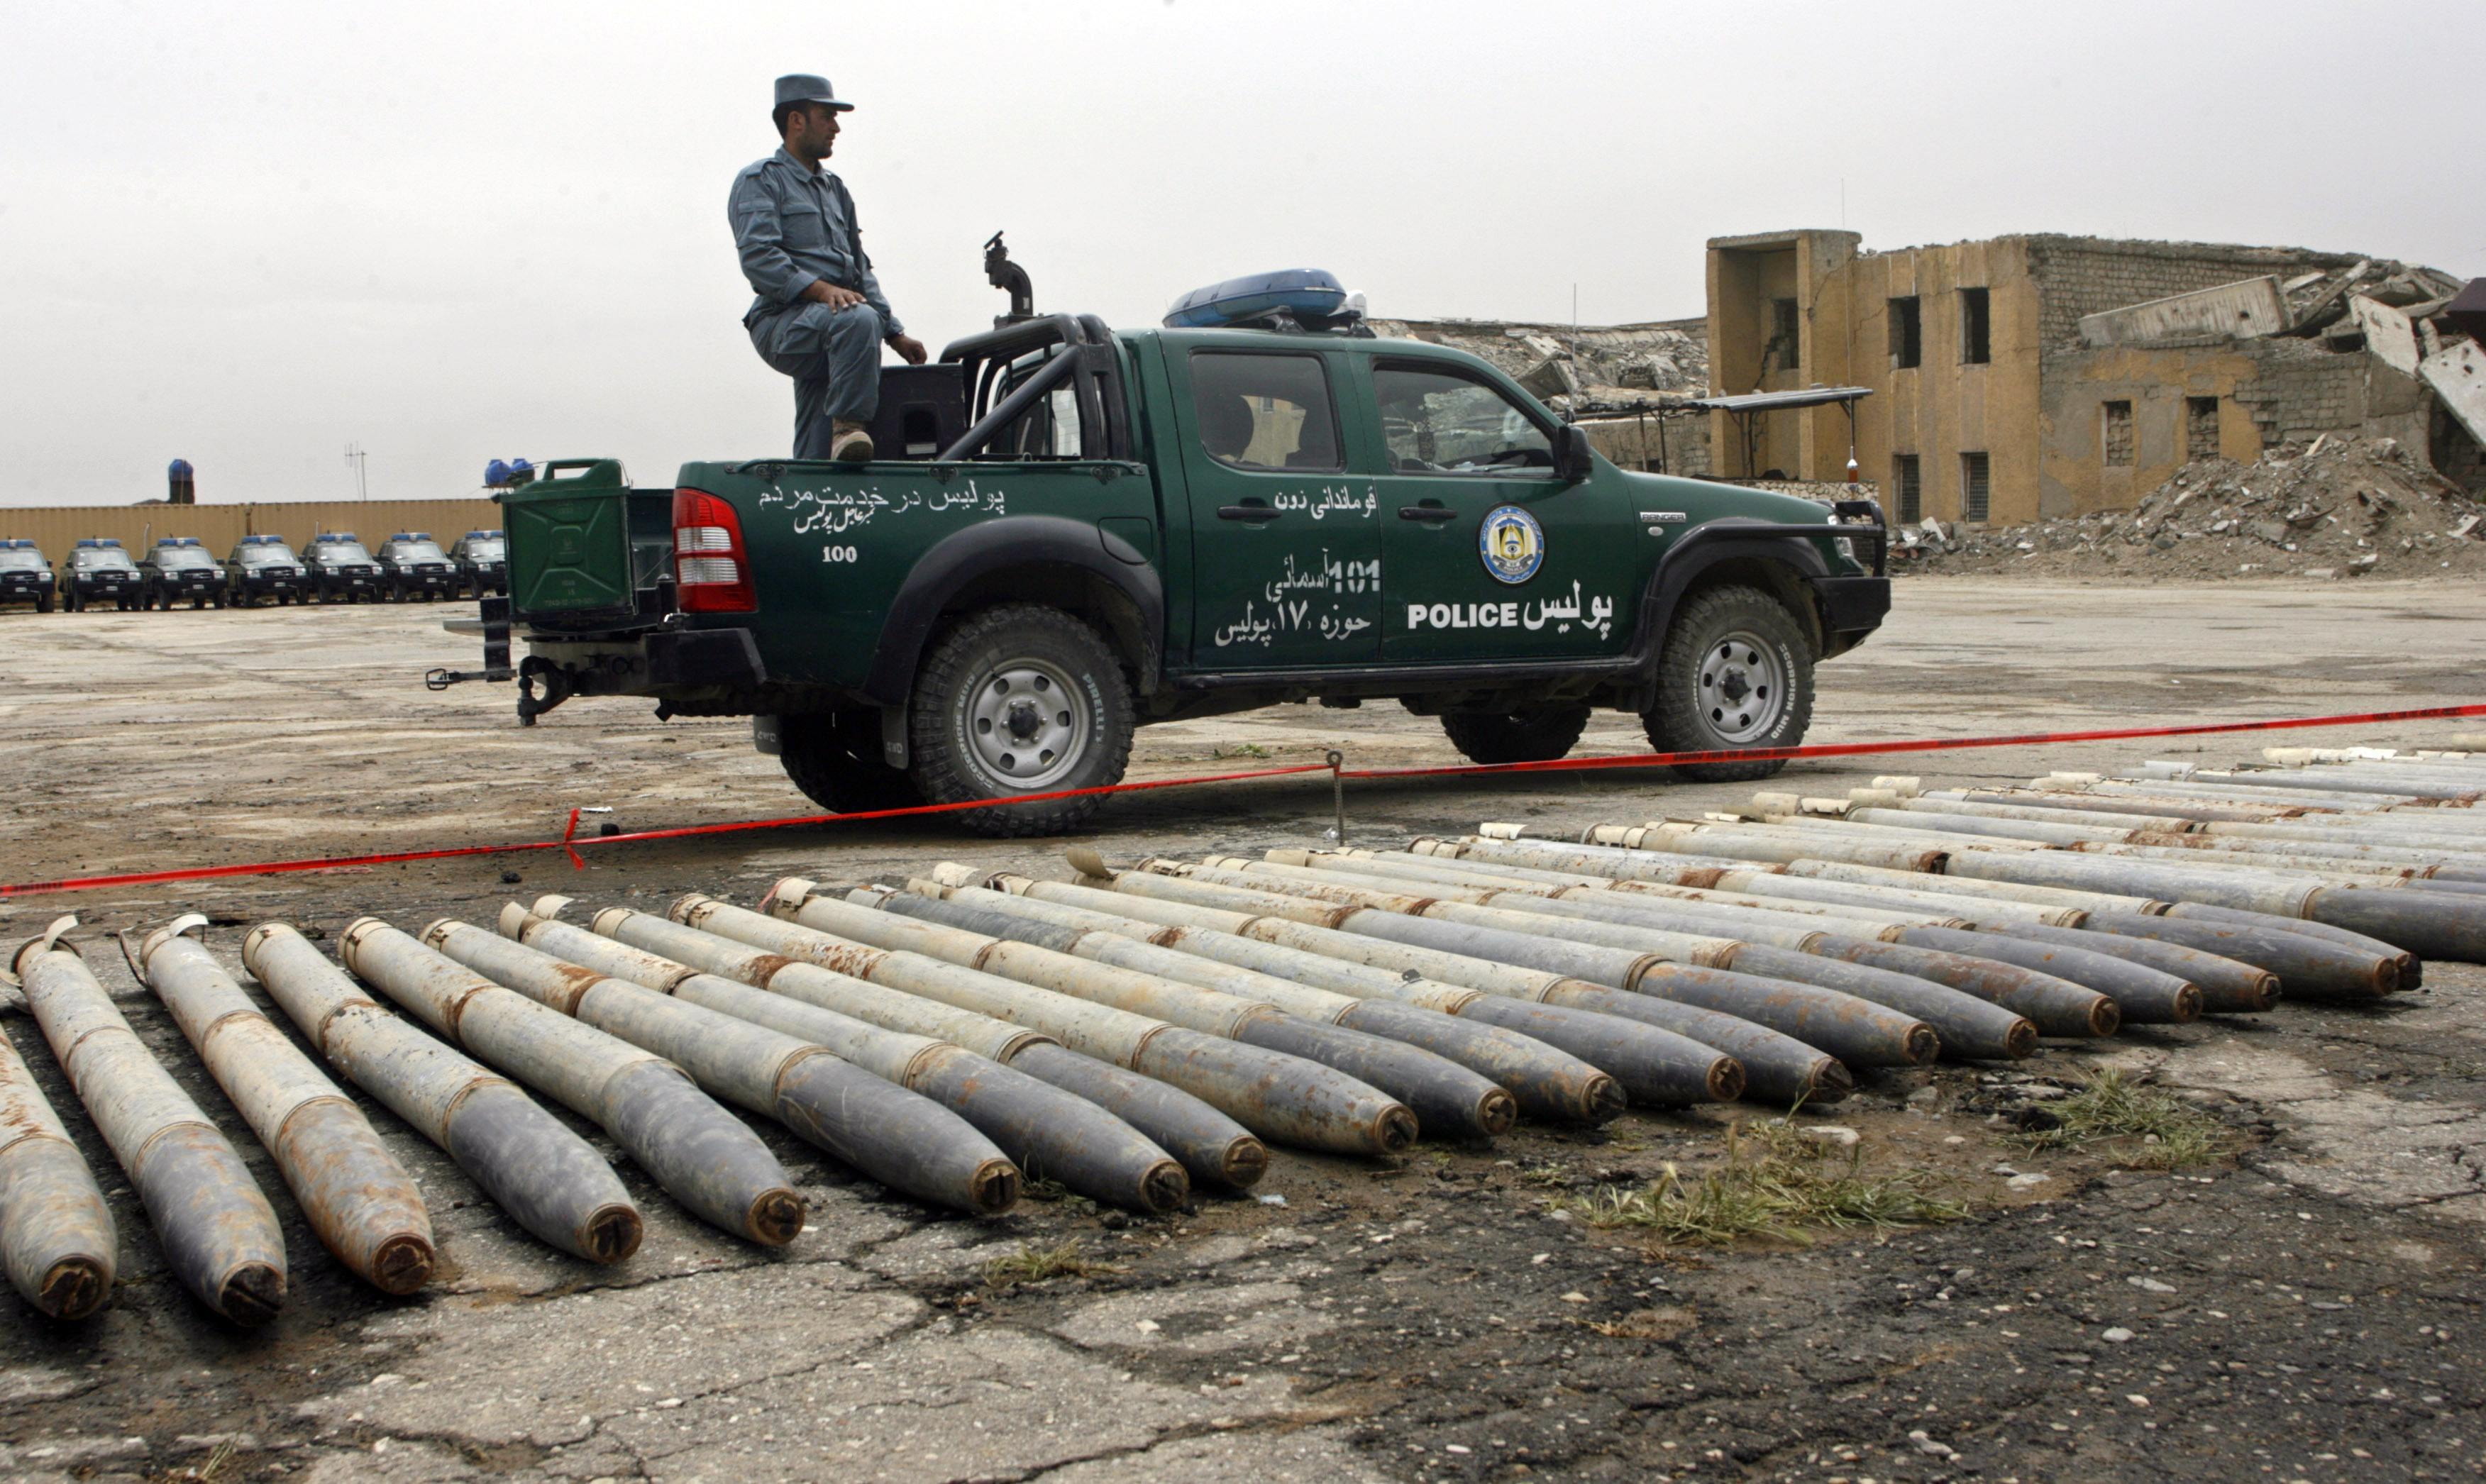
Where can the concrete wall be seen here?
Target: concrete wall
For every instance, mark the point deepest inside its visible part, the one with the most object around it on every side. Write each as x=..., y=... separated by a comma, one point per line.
x=2080, y=276
x=2073, y=475
x=1634, y=444
x=58, y=528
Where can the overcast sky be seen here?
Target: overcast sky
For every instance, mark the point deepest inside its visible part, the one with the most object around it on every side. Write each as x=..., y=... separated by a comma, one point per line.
x=251, y=234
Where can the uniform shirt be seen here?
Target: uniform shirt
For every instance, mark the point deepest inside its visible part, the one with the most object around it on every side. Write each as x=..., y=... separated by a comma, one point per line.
x=794, y=226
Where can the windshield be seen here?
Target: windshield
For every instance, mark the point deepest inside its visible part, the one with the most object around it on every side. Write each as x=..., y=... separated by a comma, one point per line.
x=20, y=558
x=263, y=556
x=101, y=557
x=486, y=551
x=333, y=551
x=183, y=559
x=420, y=551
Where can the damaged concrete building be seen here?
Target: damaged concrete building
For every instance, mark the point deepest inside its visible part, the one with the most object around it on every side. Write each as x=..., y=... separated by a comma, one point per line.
x=2028, y=378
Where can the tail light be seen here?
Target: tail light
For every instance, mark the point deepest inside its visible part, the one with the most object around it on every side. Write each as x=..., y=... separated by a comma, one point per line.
x=710, y=569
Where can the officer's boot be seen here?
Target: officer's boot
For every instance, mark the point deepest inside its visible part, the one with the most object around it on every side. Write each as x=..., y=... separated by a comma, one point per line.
x=849, y=442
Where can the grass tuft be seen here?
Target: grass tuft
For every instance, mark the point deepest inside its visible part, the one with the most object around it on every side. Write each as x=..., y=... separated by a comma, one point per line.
x=2145, y=1128
x=1776, y=1184
x=1035, y=1264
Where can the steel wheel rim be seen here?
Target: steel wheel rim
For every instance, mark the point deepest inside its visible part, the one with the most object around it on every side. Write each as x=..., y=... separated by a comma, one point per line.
x=1741, y=687
x=1025, y=723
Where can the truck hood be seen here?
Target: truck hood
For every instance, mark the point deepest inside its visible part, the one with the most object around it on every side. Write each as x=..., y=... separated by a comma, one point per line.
x=1675, y=491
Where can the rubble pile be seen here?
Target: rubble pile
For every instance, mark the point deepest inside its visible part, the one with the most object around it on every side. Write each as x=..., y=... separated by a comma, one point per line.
x=1607, y=362
x=2337, y=507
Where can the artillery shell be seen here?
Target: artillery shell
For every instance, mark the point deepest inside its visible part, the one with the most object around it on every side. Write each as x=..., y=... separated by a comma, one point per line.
x=550, y=1180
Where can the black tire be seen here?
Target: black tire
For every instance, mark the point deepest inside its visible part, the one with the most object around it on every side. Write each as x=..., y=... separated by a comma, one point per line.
x=835, y=760
x=1723, y=639
x=43, y=604
x=1014, y=647
x=1539, y=733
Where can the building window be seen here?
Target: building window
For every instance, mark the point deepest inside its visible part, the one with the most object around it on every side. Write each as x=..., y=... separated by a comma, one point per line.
x=1972, y=487
x=2200, y=428
x=1908, y=485
x=1785, y=351
x=1976, y=327
x=2117, y=433
x=1907, y=333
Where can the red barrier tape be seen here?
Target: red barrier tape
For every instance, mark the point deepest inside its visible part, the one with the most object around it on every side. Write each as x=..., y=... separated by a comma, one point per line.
x=568, y=842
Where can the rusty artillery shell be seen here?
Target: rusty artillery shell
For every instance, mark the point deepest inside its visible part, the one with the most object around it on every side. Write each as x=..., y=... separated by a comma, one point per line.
x=2205, y=981
x=550, y=1180
x=1655, y=1057
x=906, y=1142
x=219, y=1235
x=2053, y=1006
x=2307, y=967
x=2410, y=968
x=1045, y=1131
x=1446, y=1096
x=704, y=1156
x=1544, y=1080
x=1210, y=1146
x=1327, y=1093
x=56, y=1234
x=1970, y=1024
x=1860, y=1034
x=2427, y=925
x=2111, y=979
x=1870, y=1032
x=1865, y=1034
x=360, y=1202
x=1277, y=1096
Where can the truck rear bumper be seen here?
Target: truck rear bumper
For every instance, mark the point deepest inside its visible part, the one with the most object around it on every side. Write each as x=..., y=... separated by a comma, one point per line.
x=721, y=656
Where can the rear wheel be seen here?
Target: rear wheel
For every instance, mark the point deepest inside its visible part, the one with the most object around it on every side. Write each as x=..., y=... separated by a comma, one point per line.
x=1736, y=672
x=1020, y=699
x=1537, y=734
x=835, y=760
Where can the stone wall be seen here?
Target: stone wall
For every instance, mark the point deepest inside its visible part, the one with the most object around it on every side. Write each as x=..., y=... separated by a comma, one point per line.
x=2079, y=276
x=1634, y=444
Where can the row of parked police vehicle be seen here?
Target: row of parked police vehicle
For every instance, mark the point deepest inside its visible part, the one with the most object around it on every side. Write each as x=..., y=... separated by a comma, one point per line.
x=334, y=568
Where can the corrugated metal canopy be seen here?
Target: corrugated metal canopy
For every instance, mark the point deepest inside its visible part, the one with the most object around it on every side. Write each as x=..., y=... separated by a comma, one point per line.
x=1770, y=401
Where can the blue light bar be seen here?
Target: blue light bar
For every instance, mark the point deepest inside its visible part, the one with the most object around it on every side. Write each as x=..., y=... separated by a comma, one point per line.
x=1295, y=291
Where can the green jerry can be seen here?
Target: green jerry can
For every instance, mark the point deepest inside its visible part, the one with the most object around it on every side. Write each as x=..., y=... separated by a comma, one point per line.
x=570, y=560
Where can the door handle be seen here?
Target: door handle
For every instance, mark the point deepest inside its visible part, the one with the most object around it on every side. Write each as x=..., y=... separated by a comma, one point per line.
x=1435, y=513
x=1255, y=514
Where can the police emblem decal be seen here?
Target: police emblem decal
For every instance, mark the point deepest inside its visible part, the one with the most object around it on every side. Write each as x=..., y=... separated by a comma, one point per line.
x=1511, y=543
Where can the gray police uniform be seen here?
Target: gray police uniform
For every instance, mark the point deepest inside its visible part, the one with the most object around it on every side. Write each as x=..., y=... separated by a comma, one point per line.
x=792, y=226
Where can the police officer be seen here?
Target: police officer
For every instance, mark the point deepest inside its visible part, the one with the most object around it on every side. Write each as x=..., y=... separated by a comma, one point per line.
x=821, y=316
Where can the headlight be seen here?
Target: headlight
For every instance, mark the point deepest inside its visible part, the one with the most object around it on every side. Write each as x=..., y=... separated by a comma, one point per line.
x=1846, y=545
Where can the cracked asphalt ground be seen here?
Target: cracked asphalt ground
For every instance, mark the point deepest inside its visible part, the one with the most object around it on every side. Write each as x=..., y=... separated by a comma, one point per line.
x=2307, y=1307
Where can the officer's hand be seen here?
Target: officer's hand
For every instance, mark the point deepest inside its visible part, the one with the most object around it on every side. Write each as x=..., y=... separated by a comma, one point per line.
x=908, y=346
x=820, y=291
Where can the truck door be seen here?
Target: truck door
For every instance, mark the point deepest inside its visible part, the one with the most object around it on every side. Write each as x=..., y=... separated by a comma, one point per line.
x=1492, y=557
x=1286, y=547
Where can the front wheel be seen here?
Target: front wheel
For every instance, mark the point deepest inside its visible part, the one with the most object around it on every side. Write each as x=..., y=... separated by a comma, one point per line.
x=43, y=604
x=1537, y=734
x=1736, y=672
x=1020, y=699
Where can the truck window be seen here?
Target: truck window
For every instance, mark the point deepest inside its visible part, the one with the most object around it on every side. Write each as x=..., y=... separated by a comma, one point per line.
x=1436, y=422
x=1262, y=411
x=1049, y=430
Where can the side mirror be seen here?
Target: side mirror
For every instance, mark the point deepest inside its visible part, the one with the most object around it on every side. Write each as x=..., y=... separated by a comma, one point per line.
x=1574, y=459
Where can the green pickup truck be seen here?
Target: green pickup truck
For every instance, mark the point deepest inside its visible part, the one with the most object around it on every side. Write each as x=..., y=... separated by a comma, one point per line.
x=1092, y=530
